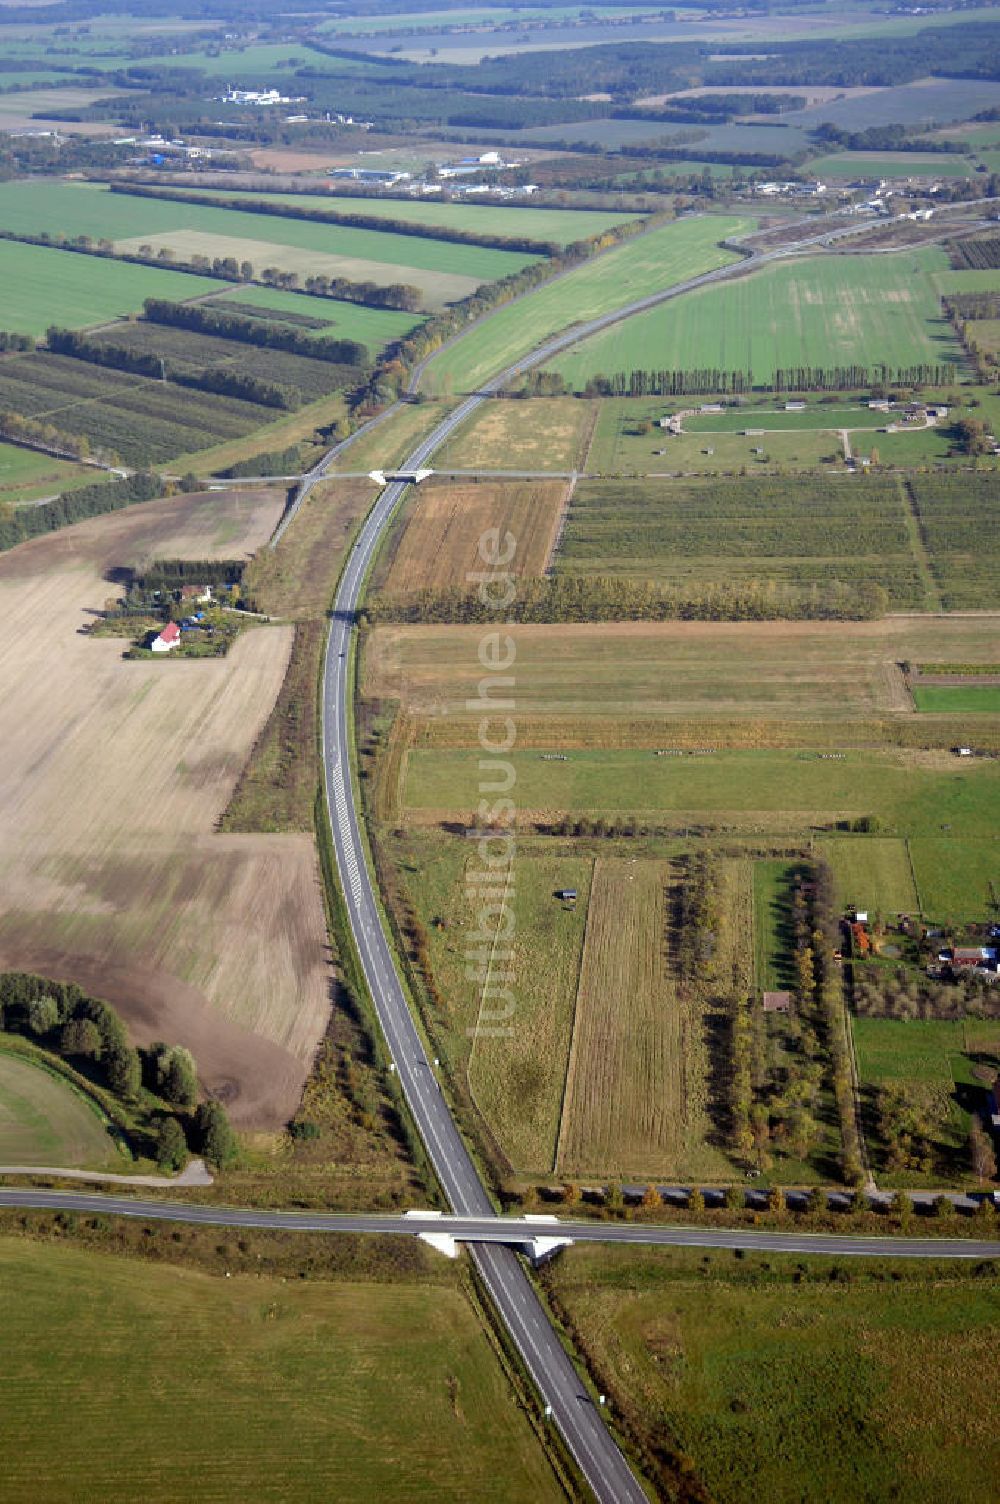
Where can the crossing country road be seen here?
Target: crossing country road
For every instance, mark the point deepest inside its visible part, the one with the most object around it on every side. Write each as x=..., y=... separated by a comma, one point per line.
x=491, y=1229
x=590, y=1442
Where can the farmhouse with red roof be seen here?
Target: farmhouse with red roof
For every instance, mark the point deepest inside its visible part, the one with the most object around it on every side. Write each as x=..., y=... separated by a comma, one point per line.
x=167, y=639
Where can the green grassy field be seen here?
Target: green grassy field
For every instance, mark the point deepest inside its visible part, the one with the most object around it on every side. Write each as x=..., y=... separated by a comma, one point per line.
x=243, y=64
x=958, y=879
x=909, y=164
x=759, y=414
x=45, y=1121
x=789, y=672
x=271, y=1389
x=26, y=475
x=773, y=944
x=823, y=311
x=920, y=446
x=924, y=1050
x=934, y=1061
x=640, y=266
x=791, y=1380
x=516, y=1076
x=872, y=872
x=558, y=225
x=627, y=438
x=769, y=790
x=374, y=327
x=87, y=209
x=620, y=446
x=947, y=281
x=39, y=287
x=956, y=699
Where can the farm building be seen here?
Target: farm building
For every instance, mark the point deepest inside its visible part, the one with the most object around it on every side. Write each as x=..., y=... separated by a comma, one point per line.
x=167, y=639
x=777, y=1002
x=567, y=894
x=373, y=176
x=972, y=955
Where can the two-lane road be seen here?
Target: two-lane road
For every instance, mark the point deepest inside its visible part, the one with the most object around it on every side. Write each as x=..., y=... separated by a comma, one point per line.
x=588, y=1439
x=489, y=1229
x=560, y=1386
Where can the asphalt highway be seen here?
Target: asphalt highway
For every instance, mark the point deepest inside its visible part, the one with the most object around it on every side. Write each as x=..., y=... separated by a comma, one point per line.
x=493, y=1233
x=589, y=1440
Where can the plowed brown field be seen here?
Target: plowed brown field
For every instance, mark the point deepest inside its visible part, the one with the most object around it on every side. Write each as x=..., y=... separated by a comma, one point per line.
x=113, y=777
x=439, y=546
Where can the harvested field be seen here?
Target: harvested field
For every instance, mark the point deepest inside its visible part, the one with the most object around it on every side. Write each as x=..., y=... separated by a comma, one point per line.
x=297, y=578
x=439, y=544
x=45, y=1121
x=115, y=775
x=624, y=1105
x=517, y=1075
x=820, y=671
x=550, y=433
x=392, y=441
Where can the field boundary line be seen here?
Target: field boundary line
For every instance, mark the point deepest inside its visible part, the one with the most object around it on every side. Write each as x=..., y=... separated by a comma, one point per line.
x=482, y=996
x=918, y=544
x=574, y=1033
x=559, y=527
x=847, y=1023
x=589, y=434
x=913, y=874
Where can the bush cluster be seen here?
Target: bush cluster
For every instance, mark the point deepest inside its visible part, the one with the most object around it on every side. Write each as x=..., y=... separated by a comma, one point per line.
x=88, y=1032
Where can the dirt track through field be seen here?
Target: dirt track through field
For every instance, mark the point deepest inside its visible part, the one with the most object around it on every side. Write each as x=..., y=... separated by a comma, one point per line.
x=113, y=778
